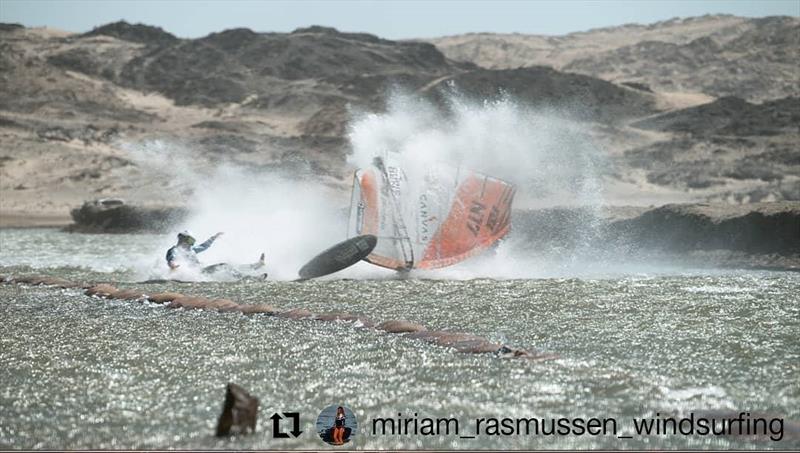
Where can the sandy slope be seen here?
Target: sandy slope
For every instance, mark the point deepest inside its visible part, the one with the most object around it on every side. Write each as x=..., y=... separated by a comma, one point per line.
x=716, y=54
x=79, y=114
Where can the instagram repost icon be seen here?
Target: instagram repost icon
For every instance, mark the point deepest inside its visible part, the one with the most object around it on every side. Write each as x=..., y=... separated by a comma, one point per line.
x=337, y=425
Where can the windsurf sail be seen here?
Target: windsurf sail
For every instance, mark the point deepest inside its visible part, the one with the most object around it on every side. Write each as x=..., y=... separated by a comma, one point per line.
x=438, y=218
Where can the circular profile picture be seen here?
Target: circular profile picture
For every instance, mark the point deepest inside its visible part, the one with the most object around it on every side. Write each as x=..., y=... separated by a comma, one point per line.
x=337, y=425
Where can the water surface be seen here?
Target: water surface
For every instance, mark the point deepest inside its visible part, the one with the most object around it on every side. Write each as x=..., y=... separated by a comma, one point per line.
x=82, y=372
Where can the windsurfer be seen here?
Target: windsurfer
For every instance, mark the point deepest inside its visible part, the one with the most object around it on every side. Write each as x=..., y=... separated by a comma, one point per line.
x=185, y=252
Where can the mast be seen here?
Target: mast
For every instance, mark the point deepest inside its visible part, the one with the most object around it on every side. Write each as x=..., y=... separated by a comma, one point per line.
x=401, y=232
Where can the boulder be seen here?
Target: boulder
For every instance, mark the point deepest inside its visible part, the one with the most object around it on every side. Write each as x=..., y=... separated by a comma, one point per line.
x=113, y=215
x=239, y=412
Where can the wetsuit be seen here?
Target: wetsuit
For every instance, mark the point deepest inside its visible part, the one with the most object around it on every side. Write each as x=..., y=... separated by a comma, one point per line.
x=188, y=254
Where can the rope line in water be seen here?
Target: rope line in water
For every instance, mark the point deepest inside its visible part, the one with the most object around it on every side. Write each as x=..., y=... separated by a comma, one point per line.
x=461, y=342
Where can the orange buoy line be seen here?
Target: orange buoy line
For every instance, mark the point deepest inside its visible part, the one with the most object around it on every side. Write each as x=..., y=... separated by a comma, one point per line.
x=461, y=342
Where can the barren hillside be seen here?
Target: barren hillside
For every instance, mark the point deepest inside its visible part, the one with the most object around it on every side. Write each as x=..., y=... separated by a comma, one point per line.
x=81, y=115
x=755, y=59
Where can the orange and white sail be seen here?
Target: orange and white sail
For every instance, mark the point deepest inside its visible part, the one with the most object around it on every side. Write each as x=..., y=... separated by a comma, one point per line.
x=441, y=217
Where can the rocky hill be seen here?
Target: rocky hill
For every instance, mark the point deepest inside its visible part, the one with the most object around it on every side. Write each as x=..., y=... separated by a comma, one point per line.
x=754, y=59
x=74, y=106
x=755, y=235
x=730, y=116
x=585, y=98
x=144, y=34
x=728, y=142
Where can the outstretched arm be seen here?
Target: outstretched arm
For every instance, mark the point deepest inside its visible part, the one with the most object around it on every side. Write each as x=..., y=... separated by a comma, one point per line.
x=205, y=245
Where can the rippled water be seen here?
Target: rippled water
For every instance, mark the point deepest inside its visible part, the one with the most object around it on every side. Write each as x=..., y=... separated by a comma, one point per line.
x=81, y=372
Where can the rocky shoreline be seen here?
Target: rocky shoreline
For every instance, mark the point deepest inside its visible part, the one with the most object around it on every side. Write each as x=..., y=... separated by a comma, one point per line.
x=750, y=236
x=115, y=216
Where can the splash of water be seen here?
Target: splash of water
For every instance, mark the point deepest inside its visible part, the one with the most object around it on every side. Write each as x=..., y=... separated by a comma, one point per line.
x=288, y=218
x=551, y=159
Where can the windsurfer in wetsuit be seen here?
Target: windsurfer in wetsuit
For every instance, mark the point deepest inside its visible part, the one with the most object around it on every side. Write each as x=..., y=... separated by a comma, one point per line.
x=185, y=252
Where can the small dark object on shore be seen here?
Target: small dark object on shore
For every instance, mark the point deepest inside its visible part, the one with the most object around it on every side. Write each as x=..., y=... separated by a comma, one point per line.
x=113, y=215
x=239, y=412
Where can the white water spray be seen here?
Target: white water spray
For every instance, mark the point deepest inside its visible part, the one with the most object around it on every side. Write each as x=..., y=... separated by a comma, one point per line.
x=290, y=219
x=550, y=159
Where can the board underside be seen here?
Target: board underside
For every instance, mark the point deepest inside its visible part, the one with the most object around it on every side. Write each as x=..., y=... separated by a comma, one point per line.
x=340, y=256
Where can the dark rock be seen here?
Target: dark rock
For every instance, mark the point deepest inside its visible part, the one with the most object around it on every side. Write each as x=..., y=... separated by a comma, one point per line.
x=229, y=144
x=8, y=27
x=79, y=60
x=114, y=216
x=239, y=413
x=7, y=122
x=218, y=125
x=55, y=133
x=731, y=116
x=233, y=64
x=576, y=96
x=330, y=31
x=140, y=33
x=767, y=228
x=88, y=134
x=330, y=121
x=675, y=229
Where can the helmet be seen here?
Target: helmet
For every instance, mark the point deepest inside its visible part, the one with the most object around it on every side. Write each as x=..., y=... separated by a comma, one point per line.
x=186, y=236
